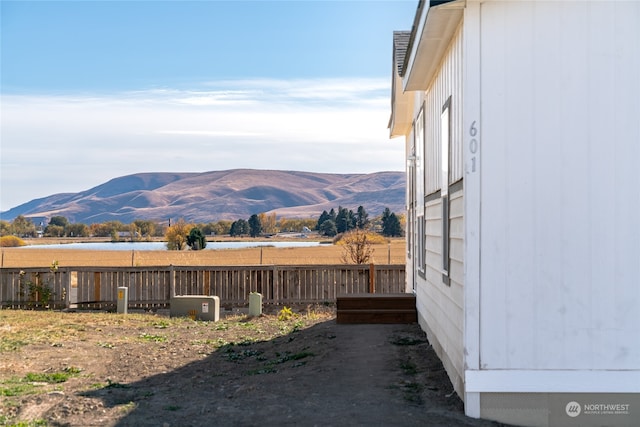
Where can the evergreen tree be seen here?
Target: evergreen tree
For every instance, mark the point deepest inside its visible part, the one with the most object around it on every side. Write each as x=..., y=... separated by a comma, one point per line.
x=391, y=226
x=345, y=220
x=59, y=220
x=255, y=226
x=328, y=228
x=196, y=239
x=239, y=228
x=323, y=217
x=234, y=230
x=385, y=215
x=332, y=215
x=362, y=219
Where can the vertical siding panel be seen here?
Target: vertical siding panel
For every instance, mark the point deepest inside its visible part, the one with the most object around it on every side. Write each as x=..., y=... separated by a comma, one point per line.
x=457, y=160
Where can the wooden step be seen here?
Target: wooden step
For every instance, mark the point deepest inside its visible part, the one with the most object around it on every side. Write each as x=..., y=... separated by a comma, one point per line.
x=376, y=308
x=374, y=301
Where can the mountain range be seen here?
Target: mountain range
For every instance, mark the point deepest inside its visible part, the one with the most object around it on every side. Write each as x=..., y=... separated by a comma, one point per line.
x=212, y=196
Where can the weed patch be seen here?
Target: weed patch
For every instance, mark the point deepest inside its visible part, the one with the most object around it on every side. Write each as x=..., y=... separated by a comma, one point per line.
x=17, y=387
x=408, y=367
x=161, y=324
x=7, y=345
x=405, y=341
x=106, y=345
x=270, y=366
x=153, y=338
x=412, y=392
x=32, y=382
x=235, y=356
x=52, y=378
x=34, y=423
x=114, y=384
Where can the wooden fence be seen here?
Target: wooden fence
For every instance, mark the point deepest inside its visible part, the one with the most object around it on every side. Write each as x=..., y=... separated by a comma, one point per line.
x=152, y=287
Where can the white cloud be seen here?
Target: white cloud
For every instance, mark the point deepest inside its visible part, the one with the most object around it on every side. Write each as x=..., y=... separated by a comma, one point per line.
x=54, y=144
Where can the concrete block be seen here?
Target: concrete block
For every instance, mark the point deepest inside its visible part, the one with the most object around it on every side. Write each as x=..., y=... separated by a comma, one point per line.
x=255, y=304
x=122, y=304
x=198, y=307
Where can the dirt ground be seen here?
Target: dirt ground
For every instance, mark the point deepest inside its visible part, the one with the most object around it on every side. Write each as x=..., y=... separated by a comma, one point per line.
x=151, y=370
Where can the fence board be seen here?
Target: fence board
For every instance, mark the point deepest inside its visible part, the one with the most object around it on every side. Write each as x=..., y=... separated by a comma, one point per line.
x=151, y=287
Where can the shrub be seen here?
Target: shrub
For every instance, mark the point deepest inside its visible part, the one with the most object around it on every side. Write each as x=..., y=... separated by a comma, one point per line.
x=177, y=235
x=357, y=246
x=372, y=238
x=37, y=288
x=285, y=314
x=196, y=239
x=11, y=242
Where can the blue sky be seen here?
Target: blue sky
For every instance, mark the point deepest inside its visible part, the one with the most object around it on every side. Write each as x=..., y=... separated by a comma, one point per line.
x=93, y=90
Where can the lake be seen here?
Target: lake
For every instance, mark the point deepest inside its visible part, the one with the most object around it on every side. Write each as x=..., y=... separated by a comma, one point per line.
x=161, y=246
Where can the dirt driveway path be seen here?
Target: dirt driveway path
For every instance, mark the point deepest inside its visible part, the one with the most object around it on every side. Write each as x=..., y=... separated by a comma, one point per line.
x=346, y=375
x=148, y=370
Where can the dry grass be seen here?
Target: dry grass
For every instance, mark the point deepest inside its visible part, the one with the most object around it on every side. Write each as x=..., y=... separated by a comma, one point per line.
x=393, y=253
x=22, y=328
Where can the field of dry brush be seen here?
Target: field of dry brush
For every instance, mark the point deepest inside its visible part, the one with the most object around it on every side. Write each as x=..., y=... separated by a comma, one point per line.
x=388, y=253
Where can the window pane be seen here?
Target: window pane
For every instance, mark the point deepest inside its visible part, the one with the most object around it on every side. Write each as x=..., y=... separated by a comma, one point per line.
x=444, y=149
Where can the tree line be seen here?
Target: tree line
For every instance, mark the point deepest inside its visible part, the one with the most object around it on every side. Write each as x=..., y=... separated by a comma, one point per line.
x=181, y=234
x=332, y=223
x=60, y=226
x=328, y=224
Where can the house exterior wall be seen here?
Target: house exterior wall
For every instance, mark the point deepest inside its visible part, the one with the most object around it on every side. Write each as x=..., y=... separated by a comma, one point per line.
x=560, y=187
x=541, y=312
x=559, y=227
x=440, y=302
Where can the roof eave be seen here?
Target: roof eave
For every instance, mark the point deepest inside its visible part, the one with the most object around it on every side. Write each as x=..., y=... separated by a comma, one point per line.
x=430, y=38
x=401, y=109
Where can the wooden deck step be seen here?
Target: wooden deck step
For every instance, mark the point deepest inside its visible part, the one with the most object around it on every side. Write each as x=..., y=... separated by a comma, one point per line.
x=376, y=308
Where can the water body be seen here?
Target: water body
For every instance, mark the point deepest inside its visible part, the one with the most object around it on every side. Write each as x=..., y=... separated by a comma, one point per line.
x=160, y=246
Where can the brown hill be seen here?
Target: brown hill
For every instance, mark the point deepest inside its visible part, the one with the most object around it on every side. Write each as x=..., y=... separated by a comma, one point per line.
x=230, y=194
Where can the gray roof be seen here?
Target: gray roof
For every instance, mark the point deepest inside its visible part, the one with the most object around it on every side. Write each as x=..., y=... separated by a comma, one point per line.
x=400, y=44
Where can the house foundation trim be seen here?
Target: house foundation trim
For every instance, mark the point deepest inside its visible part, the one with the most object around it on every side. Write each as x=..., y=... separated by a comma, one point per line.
x=551, y=381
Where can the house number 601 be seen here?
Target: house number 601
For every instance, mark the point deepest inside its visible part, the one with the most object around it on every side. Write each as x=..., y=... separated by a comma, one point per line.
x=473, y=144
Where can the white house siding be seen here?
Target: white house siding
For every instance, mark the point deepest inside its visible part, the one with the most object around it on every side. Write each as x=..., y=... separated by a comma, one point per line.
x=456, y=245
x=440, y=306
x=560, y=185
x=447, y=83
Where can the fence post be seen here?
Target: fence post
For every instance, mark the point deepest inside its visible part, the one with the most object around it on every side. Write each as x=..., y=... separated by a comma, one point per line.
x=275, y=294
x=372, y=279
x=172, y=282
x=67, y=288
